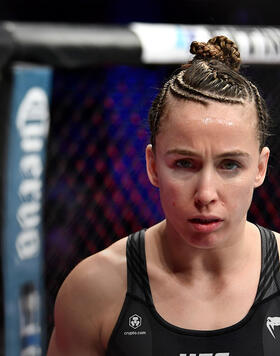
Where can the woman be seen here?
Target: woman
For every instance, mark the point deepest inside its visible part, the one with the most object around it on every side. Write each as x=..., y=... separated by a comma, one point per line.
x=205, y=280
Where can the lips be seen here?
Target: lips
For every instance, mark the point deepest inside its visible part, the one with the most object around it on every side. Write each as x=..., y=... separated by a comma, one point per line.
x=205, y=220
x=206, y=224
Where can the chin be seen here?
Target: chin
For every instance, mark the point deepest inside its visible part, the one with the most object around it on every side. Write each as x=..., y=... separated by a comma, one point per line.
x=206, y=242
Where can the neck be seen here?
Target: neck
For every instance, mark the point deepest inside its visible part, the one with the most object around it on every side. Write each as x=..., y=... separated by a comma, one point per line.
x=231, y=255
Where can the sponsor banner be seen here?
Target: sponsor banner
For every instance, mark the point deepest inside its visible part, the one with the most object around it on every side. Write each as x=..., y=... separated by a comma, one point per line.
x=22, y=217
x=168, y=44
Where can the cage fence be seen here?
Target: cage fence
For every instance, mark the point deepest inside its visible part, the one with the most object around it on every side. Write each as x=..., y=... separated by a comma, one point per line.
x=97, y=189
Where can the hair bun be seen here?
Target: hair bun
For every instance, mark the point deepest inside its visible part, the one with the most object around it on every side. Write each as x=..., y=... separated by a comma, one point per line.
x=220, y=48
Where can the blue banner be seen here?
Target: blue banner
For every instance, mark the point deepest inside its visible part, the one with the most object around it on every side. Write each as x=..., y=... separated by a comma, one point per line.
x=22, y=217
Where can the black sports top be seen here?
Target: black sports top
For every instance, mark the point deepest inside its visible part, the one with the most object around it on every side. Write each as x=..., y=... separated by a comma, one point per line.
x=141, y=331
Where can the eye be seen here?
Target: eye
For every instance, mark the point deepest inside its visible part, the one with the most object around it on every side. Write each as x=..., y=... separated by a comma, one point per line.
x=184, y=163
x=230, y=165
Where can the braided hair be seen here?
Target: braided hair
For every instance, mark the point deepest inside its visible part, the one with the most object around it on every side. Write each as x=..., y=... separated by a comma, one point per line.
x=212, y=75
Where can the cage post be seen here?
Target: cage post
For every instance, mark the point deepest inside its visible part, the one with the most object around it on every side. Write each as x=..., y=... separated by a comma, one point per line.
x=23, y=176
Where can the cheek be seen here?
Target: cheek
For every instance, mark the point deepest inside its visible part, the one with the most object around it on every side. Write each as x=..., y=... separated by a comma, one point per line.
x=169, y=189
x=175, y=197
x=240, y=197
x=174, y=191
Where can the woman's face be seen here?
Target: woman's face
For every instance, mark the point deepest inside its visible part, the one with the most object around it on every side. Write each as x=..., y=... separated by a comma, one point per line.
x=206, y=164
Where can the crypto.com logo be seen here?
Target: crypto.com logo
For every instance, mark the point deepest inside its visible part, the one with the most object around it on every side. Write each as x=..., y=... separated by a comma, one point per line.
x=135, y=321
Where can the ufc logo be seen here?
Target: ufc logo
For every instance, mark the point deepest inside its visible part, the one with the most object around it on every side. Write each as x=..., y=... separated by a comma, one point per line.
x=211, y=354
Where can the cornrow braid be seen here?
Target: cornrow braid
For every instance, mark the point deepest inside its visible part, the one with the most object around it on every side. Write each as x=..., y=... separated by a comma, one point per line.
x=206, y=95
x=212, y=75
x=264, y=120
x=176, y=91
x=156, y=111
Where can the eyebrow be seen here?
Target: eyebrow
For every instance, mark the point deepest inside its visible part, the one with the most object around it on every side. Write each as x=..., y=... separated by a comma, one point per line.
x=183, y=152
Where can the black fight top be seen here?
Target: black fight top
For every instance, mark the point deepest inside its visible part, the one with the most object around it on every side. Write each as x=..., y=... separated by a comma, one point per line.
x=141, y=331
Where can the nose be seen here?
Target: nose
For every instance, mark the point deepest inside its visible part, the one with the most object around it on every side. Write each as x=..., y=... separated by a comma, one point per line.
x=206, y=188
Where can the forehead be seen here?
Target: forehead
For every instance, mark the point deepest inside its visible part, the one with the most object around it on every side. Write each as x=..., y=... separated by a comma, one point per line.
x=217, y=109
x=188, y=121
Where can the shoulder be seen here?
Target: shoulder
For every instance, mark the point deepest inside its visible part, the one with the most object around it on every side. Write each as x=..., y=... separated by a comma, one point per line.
x=98, y=273
x=95, y=285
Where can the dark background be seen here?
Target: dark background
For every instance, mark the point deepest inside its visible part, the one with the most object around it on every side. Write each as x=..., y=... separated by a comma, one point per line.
x=215, y=12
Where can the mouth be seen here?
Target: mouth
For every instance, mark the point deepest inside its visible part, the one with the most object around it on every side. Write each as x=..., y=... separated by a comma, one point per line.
x=205, y=221
x=206, y=224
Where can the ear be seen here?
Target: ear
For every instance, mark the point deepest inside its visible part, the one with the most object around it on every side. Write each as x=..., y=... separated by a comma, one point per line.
x=151, y=165
x=262, y=166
